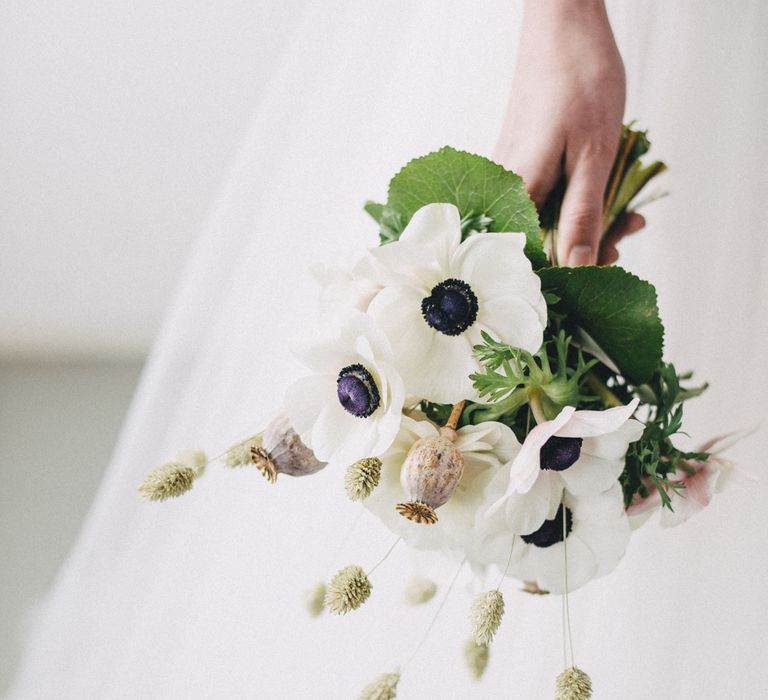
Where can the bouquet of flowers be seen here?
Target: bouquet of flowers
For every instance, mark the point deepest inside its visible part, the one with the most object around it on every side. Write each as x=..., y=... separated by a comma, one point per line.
x=482, y=400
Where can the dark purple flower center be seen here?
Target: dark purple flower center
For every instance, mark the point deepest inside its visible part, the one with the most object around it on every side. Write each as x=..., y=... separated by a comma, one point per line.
x=451, y=307
x=559, y=453
x=357, y=391
x=551, y=531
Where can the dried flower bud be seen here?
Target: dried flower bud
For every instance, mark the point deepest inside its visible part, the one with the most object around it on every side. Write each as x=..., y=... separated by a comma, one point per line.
x=383, y=688
x=476, y=656
x=420, y=590
x=533, y=588
x=487, y=611
x=430, y=473
x=282, y=452
x=573, y=684
x=348, y=590
x=172, y=479
x=195, y=459
x=239, y=455
x=362, y=478
x=315, y=599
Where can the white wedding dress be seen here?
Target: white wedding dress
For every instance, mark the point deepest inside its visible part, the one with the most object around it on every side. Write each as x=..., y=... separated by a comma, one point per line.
x=202, y=597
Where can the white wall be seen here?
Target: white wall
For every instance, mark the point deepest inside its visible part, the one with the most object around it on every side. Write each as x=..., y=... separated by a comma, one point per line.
x=117, y=121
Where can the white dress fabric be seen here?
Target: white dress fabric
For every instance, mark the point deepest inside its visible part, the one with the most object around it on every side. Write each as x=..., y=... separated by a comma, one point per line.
x=201, y=597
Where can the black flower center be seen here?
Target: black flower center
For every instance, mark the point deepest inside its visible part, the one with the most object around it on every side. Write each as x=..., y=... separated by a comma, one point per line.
x=451, y=307
x=559, y=453
x=551, y=531
x=357, y=391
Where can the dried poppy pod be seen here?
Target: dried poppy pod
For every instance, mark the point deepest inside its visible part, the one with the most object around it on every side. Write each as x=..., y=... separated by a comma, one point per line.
x=431, y=471
x=282, y=452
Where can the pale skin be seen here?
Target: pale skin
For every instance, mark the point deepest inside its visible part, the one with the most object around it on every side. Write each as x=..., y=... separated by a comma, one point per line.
x=564, y=118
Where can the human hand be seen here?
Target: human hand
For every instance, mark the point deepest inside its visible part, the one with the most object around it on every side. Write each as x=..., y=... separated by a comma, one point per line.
x=564, y=119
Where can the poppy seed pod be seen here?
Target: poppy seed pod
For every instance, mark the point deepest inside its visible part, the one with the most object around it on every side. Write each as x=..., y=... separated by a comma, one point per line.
x=282, y=452
x=430, y=473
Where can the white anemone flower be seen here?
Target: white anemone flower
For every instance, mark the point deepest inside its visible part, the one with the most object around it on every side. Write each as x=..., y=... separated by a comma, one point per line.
x=437, y=294
x=461, y=525
x=351, y=406
x=597, y=533
x=582, y=451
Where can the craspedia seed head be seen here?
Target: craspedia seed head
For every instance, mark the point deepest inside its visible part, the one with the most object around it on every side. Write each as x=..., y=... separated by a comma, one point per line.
x=348, y=590
x=167, y=481
x=239, y=455
x=362, y=478
x=486, y=613
x=573, y=684
x=476, y=656
x=420, y=590
x=383, y=688
x=314, y=599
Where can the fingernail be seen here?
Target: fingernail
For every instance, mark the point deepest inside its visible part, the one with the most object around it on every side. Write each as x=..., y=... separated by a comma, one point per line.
x=580, y=255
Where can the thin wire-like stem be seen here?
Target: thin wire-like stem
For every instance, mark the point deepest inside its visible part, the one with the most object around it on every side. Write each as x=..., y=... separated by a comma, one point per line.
x=343, y=542
x=509, y=562
x=384, y=558
x=566, y=605
x=435, y=616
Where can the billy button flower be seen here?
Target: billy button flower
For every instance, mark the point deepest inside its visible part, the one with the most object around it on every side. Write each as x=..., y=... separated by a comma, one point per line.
x=350, y=407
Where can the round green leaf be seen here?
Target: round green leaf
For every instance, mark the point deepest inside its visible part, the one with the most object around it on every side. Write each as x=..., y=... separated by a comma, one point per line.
x=617, y=309
x=476, y=185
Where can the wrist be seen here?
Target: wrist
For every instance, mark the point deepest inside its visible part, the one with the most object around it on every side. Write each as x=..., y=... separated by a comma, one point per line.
x=559, y=15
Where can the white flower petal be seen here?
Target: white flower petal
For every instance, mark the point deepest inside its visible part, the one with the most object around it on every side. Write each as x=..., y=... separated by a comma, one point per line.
x=494, y=264
x=613, y=446
x=397, y=309
x=590, y=423
x=526, y=512
x=340, y=438
x=304, y=401
x=526, y=467
x=437, y=226
x=591, y=474
x=547, y=565
x=512, y=321
x=445, y=375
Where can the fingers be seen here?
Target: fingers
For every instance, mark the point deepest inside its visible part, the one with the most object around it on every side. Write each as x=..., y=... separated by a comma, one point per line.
x=629, y=223
x=582, y=212
x=539, y=166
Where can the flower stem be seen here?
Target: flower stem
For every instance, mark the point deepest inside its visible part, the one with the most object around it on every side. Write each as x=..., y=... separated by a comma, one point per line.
x=606, y=396
x=534, y=400
x=453, y=419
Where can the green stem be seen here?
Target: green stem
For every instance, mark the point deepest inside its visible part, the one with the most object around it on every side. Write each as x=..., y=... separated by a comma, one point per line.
x=493, y=411
x=537, y=406
x=606, y=396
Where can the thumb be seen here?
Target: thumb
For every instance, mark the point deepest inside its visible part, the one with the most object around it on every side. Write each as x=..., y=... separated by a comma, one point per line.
x=581, y=214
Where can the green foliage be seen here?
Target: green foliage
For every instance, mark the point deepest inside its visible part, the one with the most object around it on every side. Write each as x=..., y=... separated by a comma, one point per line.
x=653, y=459
x=511, y=376
x=482, y=190
x=614, y=307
